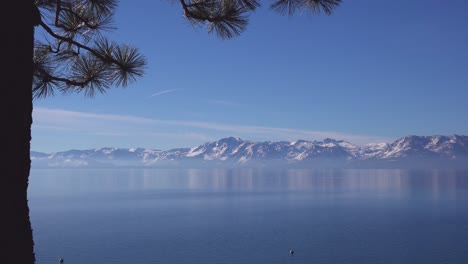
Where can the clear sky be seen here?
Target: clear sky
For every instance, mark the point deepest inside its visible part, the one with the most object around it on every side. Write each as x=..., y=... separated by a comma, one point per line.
x=374, y=71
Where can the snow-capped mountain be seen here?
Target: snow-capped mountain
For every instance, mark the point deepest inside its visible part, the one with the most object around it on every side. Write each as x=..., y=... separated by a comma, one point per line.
x=407, y=152
x=427, y=146
x=100, y=157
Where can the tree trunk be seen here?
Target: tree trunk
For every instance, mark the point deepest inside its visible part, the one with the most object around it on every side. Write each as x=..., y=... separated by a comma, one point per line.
x=17, y=31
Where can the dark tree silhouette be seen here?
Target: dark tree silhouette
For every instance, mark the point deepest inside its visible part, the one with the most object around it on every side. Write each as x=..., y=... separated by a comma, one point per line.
x=16, y=108
x=74, y=56
x=78, y=58
x=229, y=18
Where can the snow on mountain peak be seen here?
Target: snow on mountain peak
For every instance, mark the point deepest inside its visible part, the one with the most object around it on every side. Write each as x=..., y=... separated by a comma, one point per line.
x=233, y=150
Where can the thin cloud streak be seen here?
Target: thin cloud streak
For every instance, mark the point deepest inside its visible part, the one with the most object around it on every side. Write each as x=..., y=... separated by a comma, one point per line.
x=163, y=92
x=134, y=125
x=60, y=116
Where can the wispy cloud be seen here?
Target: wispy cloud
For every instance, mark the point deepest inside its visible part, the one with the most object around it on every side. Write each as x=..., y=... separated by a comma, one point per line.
x=163, y=92
x=160, y=129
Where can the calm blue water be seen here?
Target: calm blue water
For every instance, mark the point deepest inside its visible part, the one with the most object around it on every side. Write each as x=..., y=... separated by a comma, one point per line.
x=249, y=216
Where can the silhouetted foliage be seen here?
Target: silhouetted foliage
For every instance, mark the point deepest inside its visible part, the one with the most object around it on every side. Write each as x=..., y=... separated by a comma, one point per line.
x=229, y=18
x=75, y=56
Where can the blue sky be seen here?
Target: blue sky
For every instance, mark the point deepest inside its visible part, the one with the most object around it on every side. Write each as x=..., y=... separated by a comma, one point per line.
x=374, y=71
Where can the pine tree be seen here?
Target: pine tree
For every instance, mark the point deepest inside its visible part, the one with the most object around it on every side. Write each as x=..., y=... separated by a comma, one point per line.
x=229, y=18
x=76, y=57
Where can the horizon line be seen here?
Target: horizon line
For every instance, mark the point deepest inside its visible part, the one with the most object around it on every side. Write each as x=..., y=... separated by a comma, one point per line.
x=251, y=141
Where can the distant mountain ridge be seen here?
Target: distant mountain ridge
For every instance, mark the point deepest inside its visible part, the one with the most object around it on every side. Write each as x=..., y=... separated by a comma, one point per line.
x=406, y=152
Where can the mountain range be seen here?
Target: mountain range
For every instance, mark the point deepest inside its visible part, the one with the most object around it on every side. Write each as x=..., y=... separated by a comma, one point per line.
x=407, y=152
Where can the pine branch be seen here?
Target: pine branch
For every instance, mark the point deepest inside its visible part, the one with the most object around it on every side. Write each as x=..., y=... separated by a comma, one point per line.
x=75, y=61
x=226, y=17
x=314, y=6
x=107, y=59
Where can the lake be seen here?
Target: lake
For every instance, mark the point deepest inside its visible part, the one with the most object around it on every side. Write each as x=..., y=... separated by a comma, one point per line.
x=249, y=216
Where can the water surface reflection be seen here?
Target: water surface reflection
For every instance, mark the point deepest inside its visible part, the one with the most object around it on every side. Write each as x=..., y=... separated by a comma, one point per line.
x=109, y=180
x=245, y=216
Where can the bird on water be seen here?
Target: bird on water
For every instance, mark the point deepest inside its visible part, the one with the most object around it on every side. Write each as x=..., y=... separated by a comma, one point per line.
x=61, y=260
x=291, y=252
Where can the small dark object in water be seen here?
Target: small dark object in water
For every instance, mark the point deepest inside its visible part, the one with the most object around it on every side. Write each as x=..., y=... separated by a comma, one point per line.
x=61, y=260
x=291, y=252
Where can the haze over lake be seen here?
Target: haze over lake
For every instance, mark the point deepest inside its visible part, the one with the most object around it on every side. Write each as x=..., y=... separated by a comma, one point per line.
x=249, y=216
